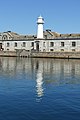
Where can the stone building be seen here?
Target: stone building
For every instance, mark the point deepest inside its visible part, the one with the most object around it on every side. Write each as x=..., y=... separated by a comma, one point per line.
x=44, y=41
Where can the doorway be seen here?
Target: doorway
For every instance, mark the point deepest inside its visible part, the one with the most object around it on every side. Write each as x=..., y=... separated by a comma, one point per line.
x=37, y=46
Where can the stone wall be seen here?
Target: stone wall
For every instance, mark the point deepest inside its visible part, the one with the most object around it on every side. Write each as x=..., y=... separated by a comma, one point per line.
x=57, y=54
x=8, y=54
x=64, y=55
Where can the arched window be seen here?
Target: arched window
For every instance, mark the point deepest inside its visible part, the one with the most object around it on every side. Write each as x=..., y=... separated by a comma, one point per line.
x=4, y=37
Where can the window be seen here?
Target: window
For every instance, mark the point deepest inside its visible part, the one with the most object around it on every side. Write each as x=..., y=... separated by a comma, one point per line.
x=62, y=49
x=44, y=50
x=24, y=44
x=51, y=44
x=45, y=36
x=9, y=38
x=8, y=44
x=62, y=44
x=73, y=49
x=51, y=49
x=32, y=44
x=4, y=37
x=73, y=44
x=15, y=44
x=43, y=44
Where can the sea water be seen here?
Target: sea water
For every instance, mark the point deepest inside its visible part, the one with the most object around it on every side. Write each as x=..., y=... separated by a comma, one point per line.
x=39, y=89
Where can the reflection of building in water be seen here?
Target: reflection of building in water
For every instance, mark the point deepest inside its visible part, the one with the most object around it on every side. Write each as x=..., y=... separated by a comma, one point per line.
x=8, y=64
x=52, y=70
x=15, y=65
x=58, y=71
x=39, y=79
x=77, y=68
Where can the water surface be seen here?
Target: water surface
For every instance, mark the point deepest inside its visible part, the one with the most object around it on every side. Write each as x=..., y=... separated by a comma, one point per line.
x=39, y=89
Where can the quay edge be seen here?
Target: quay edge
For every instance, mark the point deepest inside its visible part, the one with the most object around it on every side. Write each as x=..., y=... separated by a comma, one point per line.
x=61, y=55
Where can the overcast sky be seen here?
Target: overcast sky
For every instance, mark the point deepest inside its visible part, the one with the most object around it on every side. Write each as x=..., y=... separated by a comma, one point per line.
x=20, y=16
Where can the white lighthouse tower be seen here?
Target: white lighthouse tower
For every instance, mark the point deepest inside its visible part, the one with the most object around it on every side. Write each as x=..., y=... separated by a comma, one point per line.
x=40, y=22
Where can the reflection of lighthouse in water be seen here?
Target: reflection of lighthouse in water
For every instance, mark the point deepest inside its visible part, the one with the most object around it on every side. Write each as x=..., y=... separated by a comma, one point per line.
x=39, y=80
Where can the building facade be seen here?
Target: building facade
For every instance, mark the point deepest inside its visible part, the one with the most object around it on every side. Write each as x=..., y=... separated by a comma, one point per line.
x=66, y=44
x=48, y=42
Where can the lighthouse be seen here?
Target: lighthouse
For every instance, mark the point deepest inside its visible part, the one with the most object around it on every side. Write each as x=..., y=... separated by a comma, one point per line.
x=40, y=22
